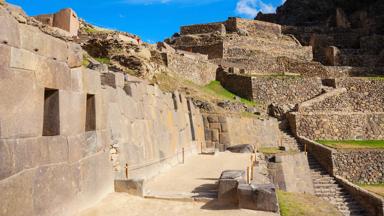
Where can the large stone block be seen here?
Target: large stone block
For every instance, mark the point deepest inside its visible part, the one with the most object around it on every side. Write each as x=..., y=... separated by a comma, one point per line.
x=53, y=74
x=33, y=40
x=5, y=58
x=17, y=195
x=55, y=189
x=91, y=81
x=228, y=183
x=224, y=139
x=132, y=186
x=243, y=148
x=101, y=112
x=23, y=59
x=72, y=112
x=75, y=55
x=108, y=79
x=82, y=145
x=7, y=165
x=21, y=110
x=9, y=29
x=77, y=79
x=258, y=197
x=96, y=178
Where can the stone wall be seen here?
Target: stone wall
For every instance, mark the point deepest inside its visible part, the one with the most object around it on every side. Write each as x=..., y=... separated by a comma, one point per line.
x=237, y=84
x=65, y=19
x=150, y=130
x=322, y=153
x=339, y=125
x=192, y=68
x=372, y=203
x=54, y=144
x=259, y=132
x=61, y=126
x=222, y=131
x=212, y=50
x=285, y=90
x=271, y=89
x=203, y=29
x=360, y=166
x=251, y=26
x=361, y=95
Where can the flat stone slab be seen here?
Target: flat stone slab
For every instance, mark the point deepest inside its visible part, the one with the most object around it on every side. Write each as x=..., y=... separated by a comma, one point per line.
x=232, y=174
x=243, y=148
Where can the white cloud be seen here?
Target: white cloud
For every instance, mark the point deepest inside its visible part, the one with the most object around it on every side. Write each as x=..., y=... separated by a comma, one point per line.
x=250, y=8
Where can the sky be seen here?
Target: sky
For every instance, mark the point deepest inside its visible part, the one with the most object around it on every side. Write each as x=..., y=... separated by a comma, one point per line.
x=152, y=20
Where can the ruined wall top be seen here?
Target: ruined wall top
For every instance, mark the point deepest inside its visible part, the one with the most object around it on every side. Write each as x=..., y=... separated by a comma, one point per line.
x=65, y=19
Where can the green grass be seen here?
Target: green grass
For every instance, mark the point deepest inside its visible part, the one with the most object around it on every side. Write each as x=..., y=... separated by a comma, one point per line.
x=85, y=62
x=296, y=204
x=354, y=144
x=90, y=30
x=216, y=88
x=103, y=60
x=374, y=188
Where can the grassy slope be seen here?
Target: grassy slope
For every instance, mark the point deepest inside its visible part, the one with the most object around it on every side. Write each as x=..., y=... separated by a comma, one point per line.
x=295, y=204
x=354, y=144
x=215, y=88
x=212, y=92
x=375, y=188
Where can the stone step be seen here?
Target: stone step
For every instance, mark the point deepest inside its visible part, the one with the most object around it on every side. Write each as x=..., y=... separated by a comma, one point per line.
x=327, y=187
x=324, y=180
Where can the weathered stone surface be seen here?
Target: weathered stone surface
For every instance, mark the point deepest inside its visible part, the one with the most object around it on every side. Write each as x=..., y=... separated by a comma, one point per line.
x=33, y=40
x=9, y=29
x=228, y=183
x=72, y=112
x=23, y=59
x=17, y=192
x=133, y=186
x=75, y=55
x=291, y=173
x=29, y=99
x=245, y=148
x=258, y=197
x=53, y=74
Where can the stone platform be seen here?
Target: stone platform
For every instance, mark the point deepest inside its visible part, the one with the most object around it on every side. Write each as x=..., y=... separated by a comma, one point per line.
x=197, y=178
x=119, y=204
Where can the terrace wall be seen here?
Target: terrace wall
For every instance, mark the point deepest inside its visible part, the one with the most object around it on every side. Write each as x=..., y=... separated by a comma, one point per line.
x=203, y=29
x=355, y=165
x=338, y=125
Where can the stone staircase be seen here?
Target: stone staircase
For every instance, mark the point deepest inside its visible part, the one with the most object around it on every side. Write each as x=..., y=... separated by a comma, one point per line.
x=289, y=141
x=327, y=188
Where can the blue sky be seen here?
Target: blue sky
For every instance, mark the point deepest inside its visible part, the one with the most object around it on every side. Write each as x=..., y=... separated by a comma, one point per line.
x=152, y=20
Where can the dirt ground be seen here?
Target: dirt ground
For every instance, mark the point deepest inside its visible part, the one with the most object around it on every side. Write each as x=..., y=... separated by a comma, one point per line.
x=120, y=204
x=199, y=174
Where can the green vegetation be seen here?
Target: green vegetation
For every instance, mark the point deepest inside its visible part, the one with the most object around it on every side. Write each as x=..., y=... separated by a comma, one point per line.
x=354, y=144
x=374, y=188
x=85, y=62
x=381, y=78
x=296, y=204
x=216, y=88
x=103, y=60
x=90, y=30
